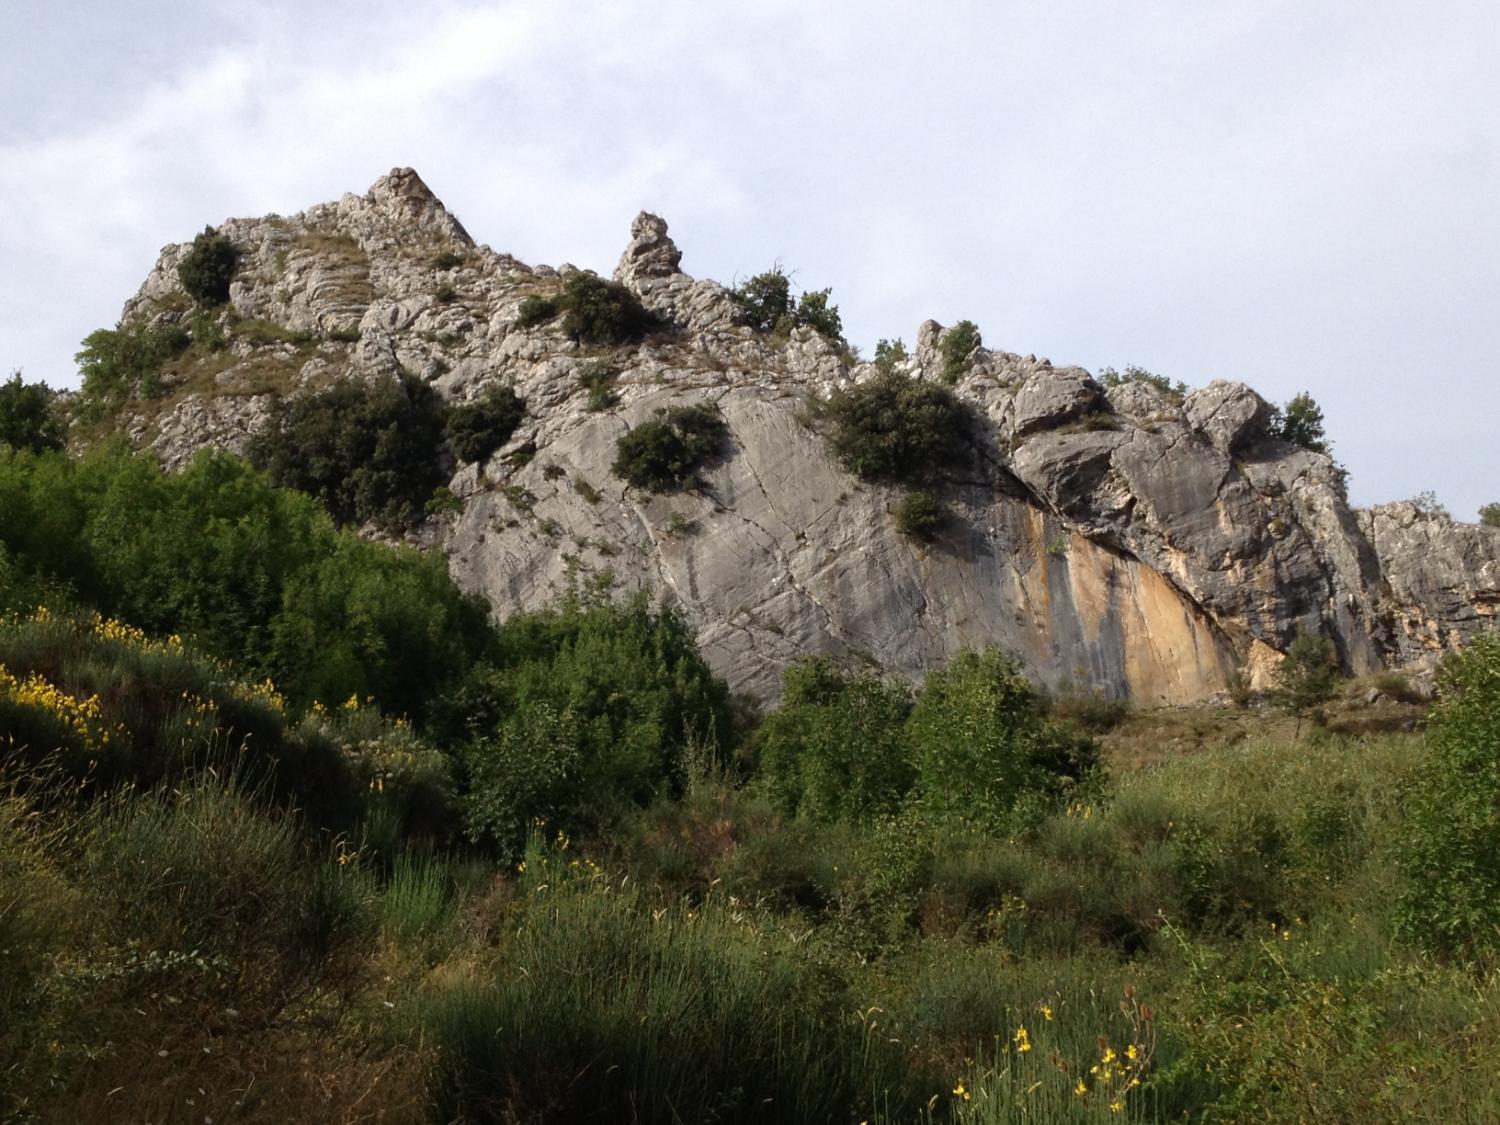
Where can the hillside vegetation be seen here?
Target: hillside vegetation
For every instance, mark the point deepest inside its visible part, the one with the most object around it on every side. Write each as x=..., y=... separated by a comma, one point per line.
x=289, y=831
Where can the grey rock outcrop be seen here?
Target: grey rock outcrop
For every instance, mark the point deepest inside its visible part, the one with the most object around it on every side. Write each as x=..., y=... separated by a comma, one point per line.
x=1122, y=538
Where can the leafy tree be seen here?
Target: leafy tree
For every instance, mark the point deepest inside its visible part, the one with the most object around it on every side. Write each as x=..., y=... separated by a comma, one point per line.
x=1300, y=422
x=602, y=312
x=958, y=345
x=1451, y=851
x=208, y=267
x=1306, y=678
x=613, y=702
x=766, y=305
x=889, y=354
x=895, y=428
x=765, y=300
x=837, y=747
x=1489, y=515
x=1428, y=504
x=477, y=429
x=27, y=418
x=983, y=742
x=368, y=452
x=118, y=363
x=1174, y=390
x=665, y=454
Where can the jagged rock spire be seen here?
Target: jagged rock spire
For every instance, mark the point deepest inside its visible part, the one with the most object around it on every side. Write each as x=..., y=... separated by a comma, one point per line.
x=651, y=253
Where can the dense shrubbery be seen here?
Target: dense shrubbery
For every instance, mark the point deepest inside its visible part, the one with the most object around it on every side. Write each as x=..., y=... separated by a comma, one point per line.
x=477, y=429
x=665, y=453
x=958, y=346
x=252, y=573
x=1489, y=515
x=765, y=303
x=896, y=429
x=585, y=709
x=207, y=268
x=119, y=363
x=27, y=418
x=1452, y=847
x=369, y=453
x=1175, y=391
x=594, y=311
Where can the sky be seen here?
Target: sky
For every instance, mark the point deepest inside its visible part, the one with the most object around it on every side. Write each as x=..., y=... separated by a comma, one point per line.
x=1302, y=196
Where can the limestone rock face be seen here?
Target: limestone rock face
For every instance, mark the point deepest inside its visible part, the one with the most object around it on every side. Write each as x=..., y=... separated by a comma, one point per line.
x=1114, y=538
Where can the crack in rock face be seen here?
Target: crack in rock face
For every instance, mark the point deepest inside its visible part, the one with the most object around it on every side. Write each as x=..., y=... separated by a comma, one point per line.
x=1114, y=538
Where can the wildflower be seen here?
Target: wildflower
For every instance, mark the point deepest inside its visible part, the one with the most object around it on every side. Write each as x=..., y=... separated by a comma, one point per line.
x=1116, y=1106
x=1082, y=1088
x=1046, y=1012
x=960, y=1092
x=1022, y=1040
x=521, y=868
x=1132, y=1052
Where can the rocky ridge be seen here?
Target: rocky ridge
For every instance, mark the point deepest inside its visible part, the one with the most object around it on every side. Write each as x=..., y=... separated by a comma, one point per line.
x=1116, y=538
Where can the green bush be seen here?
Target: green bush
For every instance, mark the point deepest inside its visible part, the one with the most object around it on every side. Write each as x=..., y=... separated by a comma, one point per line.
x=958, y=346
x=836, y=747
x=1489, y=515
x=598, y=382
x=889, y=354
x=249, y=572
x=477, y=429
x=536, y=310
x=1175, y=391
x=125, y=362
x=1451, y=847
x=368, y=452
x=920, y=515
x=1300, y=422
x=665, y=454
x=982, y=741
x=603, y=313
x=585, y=708
x=27, y=417
x=766, y=305
x=896, y=429
x=1307, y=678
x=207, y=268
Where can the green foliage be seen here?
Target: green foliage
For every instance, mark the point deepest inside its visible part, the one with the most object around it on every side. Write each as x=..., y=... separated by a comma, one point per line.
x=889, y=354
x=983, y=743
x=447, y=260
x=584, y=709
x=602, y=1008
x=836, y=748
x=957, y=348
x=368, y=452
x=1451, y=849
x=665, y=454
x=125, y=362
x=536, y=310
x=476, y=429
x=603, y=313
x=445, y=293
x=1428, y=504
x=766, y=305
x=252, y=573
x=28, y=419
x=1307, y=678
x=920, y=515
x=897, y=429
x=1300, y=422
x=765, y=300
x=815, y=311
x=1174, y=390
x=598, y=382
x=208, y=267
x=1489, y=515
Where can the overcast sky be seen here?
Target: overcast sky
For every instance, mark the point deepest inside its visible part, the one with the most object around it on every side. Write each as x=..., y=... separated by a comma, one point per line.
x=1299, y=195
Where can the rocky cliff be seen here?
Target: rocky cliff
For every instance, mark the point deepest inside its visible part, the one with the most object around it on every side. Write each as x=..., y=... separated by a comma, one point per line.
x=1121, y=538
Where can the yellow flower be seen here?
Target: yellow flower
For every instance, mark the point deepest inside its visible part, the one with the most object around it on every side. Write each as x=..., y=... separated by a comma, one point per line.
x=1046, y=1013
x=960, y=1092
x=1132, y=1052
x=1109, y=1055
x=1116, y=1106
x=1022, y=1039
x=1082, y=1088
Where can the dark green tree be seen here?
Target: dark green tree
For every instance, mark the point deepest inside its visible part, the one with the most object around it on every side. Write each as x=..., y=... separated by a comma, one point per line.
x=897, y=429
x=1489, y=515
x=665, y=454
x=27, y=416
x=477, y=429
x=208, y=267
x=1300, y=422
